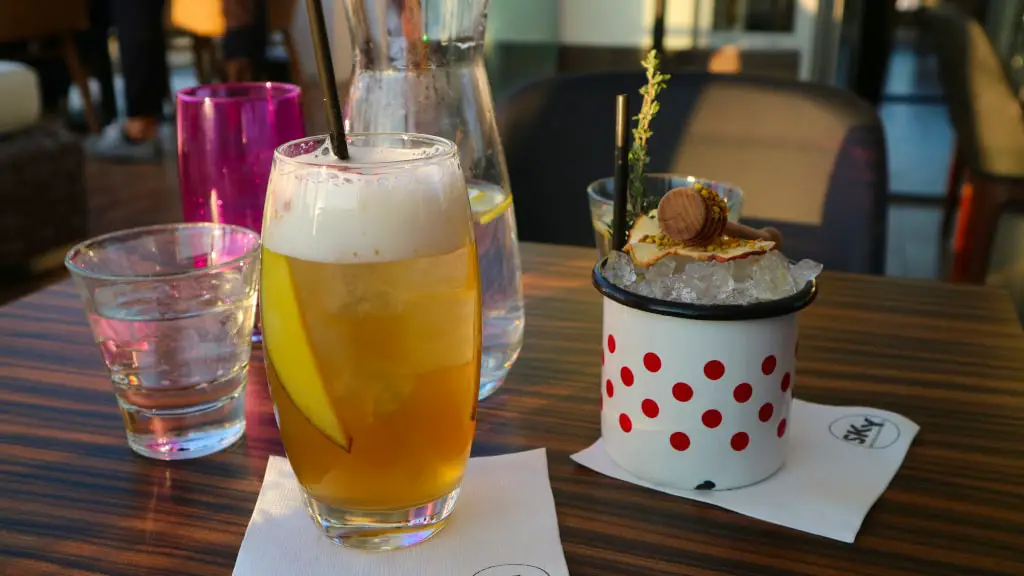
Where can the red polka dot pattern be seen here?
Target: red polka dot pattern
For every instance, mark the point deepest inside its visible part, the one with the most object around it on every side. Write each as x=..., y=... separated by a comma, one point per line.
x=740, y=441
x=611, y=344
x=743, y=392
x=679, y=441
x=681, y=391
x=625, y=423
x=627, y=376
x=711, y=418
x=714, y=370
x=652, y=362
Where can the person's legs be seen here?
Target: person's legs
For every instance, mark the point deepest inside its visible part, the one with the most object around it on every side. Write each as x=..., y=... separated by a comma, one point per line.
x=245, y=42
x=140, y=35
x=92, y=45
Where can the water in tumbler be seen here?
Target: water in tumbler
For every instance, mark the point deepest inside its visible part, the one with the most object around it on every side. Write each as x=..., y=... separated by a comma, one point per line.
x=498, y=254
x=178, y=355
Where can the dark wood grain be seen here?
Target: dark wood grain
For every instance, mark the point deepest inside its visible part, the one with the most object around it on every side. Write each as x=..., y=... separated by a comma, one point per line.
x=75, y=500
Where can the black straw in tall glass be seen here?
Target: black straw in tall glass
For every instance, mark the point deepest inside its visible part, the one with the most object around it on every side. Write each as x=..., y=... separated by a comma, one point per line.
x=325, y=70
x=621, y=171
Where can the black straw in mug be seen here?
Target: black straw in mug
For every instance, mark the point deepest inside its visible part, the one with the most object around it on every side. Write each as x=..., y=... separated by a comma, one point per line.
x=325, y=70
x=621, y=171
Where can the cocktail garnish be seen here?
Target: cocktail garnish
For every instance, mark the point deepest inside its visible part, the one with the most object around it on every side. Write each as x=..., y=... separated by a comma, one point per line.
x=648, y=244
x=639, y=203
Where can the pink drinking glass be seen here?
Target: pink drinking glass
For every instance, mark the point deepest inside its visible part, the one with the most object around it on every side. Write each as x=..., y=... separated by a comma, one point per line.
x=227, y=134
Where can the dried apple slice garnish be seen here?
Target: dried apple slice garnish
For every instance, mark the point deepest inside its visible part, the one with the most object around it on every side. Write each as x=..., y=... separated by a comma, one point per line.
x=647, y=245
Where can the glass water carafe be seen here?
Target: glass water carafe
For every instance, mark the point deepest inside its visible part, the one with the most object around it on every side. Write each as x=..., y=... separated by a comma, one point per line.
x=420, y=68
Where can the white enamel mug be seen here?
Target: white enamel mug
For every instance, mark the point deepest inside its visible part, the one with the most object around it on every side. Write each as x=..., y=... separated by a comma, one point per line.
x=697, y=397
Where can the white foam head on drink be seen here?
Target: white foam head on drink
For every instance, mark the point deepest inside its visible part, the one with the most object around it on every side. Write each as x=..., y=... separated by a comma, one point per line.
x=325, y=215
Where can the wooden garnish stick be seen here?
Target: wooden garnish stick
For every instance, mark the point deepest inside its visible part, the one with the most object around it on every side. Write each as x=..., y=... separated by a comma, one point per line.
x=737, y=230
x=699, y=216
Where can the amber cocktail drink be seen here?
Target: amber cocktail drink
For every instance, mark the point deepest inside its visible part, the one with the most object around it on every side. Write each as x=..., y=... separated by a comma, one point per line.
x=371, y=321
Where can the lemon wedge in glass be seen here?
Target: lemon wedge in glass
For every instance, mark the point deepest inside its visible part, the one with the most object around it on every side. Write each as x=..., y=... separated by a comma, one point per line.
x=290, y=353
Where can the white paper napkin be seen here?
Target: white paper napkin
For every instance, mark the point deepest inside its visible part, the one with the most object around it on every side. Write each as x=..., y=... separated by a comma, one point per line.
x=840, y=460
x=504, y=524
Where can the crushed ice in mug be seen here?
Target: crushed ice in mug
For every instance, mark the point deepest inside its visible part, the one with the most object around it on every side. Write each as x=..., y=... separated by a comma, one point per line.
x=756, y=278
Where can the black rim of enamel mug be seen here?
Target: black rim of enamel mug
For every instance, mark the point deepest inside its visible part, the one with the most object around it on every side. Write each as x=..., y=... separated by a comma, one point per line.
x=757, y=310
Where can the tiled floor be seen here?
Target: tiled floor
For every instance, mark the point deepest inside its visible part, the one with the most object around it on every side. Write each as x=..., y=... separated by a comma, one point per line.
x=920, y=141
x=913, y=248
x=913, y=73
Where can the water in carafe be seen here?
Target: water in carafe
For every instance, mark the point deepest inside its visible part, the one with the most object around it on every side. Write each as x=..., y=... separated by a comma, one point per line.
x=420, y=68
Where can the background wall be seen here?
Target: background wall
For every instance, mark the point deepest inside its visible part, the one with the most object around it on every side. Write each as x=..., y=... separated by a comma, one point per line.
x=536, y=29
x=341, y=48
x=619, y=23
x=524, y=21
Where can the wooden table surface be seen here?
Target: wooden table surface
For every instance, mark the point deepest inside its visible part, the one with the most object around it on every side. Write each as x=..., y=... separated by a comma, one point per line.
x=75, y=500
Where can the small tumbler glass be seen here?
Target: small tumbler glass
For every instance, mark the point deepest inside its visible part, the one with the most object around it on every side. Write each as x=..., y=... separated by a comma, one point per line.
x=171, y=308
x=601, y=193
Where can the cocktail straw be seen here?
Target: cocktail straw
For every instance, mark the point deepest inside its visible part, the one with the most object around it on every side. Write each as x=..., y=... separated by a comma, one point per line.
x=621, y=171
x=325, y=70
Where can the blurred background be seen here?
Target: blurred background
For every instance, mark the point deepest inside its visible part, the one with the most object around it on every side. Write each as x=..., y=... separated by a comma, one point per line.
x=925, y=82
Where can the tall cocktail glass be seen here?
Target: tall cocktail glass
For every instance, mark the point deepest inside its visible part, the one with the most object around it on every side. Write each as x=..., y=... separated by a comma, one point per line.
x=371, y=317
x=227, y=134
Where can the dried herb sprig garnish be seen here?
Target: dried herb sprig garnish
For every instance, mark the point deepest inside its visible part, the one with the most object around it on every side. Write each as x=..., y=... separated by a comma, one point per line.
x=639, y=202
